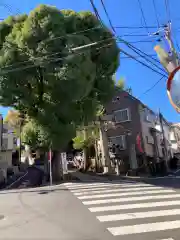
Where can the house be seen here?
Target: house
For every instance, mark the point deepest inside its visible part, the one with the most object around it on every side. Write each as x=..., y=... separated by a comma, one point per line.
x=137, y=131
x=8, y=146
x=175, y=138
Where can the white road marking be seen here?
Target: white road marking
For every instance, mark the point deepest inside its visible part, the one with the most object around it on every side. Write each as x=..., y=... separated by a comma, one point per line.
x=82, y=184
x=95, y=186
x=100, y=190
x=142, y=198
x=138, y=215
x=134, y=206
x=101, y=187
x=166, y=239
x=126, y=194
x=144, y=228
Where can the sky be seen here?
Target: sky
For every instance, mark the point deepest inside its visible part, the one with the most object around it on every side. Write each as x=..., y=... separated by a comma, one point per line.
x=125, y=13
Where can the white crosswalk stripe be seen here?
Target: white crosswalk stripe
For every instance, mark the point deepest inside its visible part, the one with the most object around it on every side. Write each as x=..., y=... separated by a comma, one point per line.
x=131, y=208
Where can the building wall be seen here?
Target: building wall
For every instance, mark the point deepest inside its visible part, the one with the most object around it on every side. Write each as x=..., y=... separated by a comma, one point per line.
x=5, y=159
x=129, y=129
x=147, y=118
x=167, y=135
x=175, y=138
x=8, y=138
x=1, y=130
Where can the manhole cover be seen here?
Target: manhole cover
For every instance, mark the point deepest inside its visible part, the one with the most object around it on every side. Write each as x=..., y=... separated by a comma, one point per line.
x=1, y=217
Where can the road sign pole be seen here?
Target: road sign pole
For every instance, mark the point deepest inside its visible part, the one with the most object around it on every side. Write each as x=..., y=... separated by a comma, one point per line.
x=50, y=166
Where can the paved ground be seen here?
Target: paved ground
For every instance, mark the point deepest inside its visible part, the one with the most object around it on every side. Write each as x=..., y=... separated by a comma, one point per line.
x=130, y=210
x=101, y=210
x=40, y=214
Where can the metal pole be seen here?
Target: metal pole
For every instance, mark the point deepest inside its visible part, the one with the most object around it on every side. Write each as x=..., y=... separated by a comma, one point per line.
x=50, y=166
x=20, y=143
x=164, y=139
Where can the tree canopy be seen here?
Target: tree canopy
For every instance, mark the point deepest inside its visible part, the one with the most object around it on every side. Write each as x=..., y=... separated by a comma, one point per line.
x=34, y=135
x=45, y=78
x=14, y=120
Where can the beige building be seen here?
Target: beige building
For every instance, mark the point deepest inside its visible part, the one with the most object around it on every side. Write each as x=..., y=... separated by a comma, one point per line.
x=7, y=146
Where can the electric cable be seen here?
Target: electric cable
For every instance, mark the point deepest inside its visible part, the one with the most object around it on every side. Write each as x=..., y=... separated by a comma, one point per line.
x=57, y=59
x=50, y=60
x=128, y=44
x=142, y=13
x=152, y=87
x=155, y=10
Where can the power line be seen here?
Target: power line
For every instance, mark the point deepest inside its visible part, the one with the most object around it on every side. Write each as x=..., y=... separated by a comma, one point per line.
x=134, y=27
x=134, y=35
x=54, y=54
x=157, y=19
x=152, y=87
x=135, y=56
x=95, y=10
x=167, y=10
x=69, y=56
x=144, y=64
x=107, y=15
x=169, y=20
x=144, y=19
x=15, y=64
x=51, y=55
x=139, y=52
x=128, y=44
x=49, y=61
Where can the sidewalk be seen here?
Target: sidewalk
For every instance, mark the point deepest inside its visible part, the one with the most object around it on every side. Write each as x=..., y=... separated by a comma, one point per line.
x=91, y=176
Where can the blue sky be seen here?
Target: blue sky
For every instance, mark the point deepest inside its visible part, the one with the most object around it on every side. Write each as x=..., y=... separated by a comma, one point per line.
x=124, y=13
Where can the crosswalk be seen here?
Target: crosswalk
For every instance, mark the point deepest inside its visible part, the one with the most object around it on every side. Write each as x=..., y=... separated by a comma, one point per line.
x=130, y=209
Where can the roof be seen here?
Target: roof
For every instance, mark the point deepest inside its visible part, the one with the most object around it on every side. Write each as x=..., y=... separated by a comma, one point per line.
x=145, y=106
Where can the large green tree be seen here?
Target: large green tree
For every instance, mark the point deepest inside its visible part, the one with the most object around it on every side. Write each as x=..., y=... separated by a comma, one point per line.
x=45, y=78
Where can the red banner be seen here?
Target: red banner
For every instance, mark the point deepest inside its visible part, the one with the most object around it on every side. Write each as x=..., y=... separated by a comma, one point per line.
x=139, y=143
x=49, y=155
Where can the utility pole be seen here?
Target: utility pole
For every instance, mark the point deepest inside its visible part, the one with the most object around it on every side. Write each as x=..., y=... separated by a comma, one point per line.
x=50, y=165
x=168, y=57
x=164, y=139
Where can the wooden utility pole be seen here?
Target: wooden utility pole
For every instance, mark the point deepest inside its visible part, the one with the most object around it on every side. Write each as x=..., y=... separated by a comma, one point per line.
x=168, y=57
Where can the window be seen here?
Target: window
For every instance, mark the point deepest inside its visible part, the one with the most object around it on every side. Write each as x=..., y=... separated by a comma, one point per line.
x=122, y=115
x=119, y=140
x=149, y=140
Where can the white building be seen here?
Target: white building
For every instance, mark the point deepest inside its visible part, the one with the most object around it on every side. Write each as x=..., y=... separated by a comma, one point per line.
x=175, y=138
x=153, y=135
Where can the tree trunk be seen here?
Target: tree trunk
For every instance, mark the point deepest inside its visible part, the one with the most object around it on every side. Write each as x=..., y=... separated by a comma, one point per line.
x=104, y=148
x=57, y=172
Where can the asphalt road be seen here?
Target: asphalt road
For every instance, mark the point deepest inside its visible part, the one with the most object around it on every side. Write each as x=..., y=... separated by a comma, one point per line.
x=93, y=211
x=173, y=182
x=43, y=214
